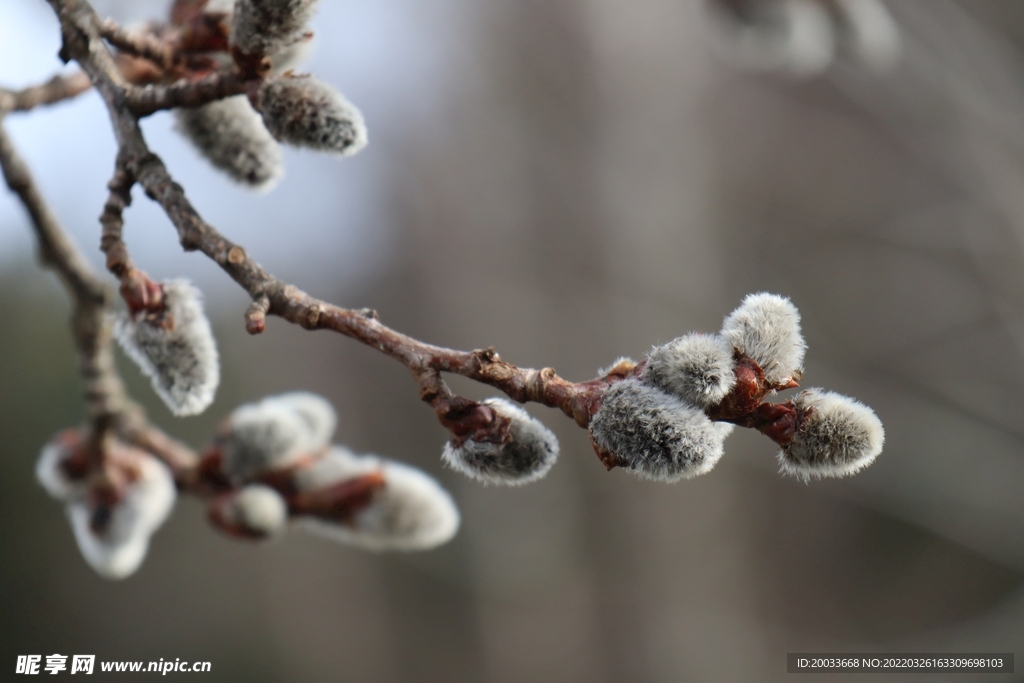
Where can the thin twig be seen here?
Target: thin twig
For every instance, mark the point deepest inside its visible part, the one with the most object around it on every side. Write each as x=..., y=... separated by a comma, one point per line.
x=83, y=43
x=55, y=90
x=110, y=409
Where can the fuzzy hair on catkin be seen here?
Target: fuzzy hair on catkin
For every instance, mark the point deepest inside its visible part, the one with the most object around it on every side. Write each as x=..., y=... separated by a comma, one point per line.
x=836, y=436
x=181, y=358
x=263, y=437
x=50, y=472
x=302, y=111
x=411, y=511
x=654, y=434
x=318, y=414
x=766, y=327
x=530, y=452
x=292, y=56
x=259, y=510
x=697, y=368
x=116, y=550
x=233, y=138
x=268, y=26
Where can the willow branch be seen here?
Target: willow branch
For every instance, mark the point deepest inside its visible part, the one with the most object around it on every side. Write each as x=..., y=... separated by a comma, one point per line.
x=110, y=409
x=83, y=42
x=55, y=90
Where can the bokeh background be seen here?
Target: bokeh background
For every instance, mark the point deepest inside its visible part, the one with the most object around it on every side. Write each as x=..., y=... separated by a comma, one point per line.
x=570, y=181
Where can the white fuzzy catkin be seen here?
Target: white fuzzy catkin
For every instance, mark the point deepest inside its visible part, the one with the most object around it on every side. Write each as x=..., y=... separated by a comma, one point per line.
x=766, y=327
x=836, y=436
x=263, y=437
x=302, y=111
x=655, y=434
x=697, y=368
x=411, y=511
x=259, y=510
x=792, y=36
x=268, y=26
x=317, y=412
x=530, y=452
x=292, y=56
x=118, y=548
x=233, y=138
x=50, y=471
x=181, y=359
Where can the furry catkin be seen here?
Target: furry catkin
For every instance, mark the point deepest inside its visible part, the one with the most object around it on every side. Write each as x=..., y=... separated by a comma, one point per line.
x=766, y=327
x=697, y=368
x=302, y=111
x=113, y=537
x=654, y=434
x=233, y=138
x=527, y=455
x=179, y=353
x=836, y=436
x=269, y=26
x=411, y=511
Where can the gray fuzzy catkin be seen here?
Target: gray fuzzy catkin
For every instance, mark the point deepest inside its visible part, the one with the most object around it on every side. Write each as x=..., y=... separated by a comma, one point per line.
x=411, y=511
x=233, y=138
x=318, y=414
x=530, y=452
x=181, y=359
x=119, y=548
x=655, y=434
x=837, y=436
x=259, y=509
x=302, y=111
x=268, y=26
x=697, y=368
x=263, y=437
x=766, y=327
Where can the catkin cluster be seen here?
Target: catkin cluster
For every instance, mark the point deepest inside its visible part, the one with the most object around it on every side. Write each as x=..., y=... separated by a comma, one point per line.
x=115, y=508
x=657, y=422
x=278, y=455
x=239, y=135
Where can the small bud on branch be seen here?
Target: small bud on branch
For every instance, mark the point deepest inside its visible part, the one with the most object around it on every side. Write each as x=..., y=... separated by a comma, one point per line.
x=171, y=342
x=513, y=449
x=302, y=111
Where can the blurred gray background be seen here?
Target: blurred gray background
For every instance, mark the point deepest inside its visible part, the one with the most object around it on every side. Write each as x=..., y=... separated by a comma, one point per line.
x=570, y=181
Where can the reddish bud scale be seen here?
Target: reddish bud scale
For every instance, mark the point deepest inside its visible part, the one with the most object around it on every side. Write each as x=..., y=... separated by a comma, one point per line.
x=609, y=460
x=751, y=388
x=203, y=32
x=140, y=293
x=210, y=477
x=340, y=502
x=467, y=419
